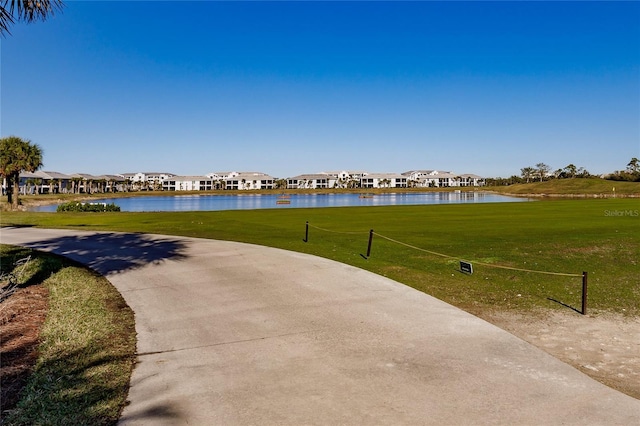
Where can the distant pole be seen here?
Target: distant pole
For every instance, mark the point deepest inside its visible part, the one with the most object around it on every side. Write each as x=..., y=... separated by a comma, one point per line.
x=584, y=293
x=306, y=232
x=370, y=240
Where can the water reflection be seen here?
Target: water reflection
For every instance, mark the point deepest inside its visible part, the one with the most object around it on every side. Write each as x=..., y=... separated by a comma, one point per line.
x=270, y=201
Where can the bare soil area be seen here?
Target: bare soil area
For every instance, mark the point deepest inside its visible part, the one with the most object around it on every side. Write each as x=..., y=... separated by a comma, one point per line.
x=605, y=347
x=21, y=319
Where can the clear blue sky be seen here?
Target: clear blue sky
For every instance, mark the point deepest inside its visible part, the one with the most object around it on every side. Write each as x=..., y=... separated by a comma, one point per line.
x=300, y=87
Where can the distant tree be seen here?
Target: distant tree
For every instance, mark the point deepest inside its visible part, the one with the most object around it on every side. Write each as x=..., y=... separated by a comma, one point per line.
x=280, y=183
x=527, y=173
x=28, y=11
x=631, y=174
x=17, y=155
x=542, y=171
x=570, y=171
x=582, y=173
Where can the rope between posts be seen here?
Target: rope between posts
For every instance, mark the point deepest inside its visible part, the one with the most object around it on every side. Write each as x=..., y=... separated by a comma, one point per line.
x=490, y=265
x=336, y=232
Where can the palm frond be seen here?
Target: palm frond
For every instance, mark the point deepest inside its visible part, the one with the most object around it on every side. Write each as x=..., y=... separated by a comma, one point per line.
x=26, y=10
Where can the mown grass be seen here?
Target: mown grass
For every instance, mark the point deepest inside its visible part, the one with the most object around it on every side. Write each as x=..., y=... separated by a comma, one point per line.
x=600, y=236
x=74, y=383
x=87, y=346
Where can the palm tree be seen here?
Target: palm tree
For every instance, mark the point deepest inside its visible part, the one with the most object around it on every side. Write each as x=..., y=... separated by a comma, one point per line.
x=75, y=184
x=280, y=184
x=28, y=184
x=27, y=11
x=38, y=183
x=17, y=155
x=54, y=186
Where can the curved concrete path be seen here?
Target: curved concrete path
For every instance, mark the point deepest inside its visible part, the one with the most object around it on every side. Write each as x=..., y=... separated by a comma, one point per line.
x=237, y=334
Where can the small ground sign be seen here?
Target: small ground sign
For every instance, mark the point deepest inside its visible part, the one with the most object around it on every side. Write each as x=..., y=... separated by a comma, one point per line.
x=466, y=267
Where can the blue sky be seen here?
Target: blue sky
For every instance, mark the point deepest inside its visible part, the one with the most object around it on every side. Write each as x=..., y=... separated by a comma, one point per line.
x=300, y=87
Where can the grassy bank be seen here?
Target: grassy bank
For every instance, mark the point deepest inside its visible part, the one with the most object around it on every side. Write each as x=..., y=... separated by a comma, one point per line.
x=592, y=187
x=600, y=236
x=87, y=347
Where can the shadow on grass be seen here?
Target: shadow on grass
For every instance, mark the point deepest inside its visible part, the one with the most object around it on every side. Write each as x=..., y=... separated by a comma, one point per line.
x=111, y=253
x=78, y=387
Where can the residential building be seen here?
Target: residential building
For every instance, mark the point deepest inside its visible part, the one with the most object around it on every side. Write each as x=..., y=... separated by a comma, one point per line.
x=147, y=180
x=383, y=180
x=247, y=180
x=55, y=182
x=310, y=181
x=188, y=183
x=440, y=179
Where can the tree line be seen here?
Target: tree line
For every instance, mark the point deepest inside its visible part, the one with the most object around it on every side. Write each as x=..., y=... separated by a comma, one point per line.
x=542, y=172
x=630, y=174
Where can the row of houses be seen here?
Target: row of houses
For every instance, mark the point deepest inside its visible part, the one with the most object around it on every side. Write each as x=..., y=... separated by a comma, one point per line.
x=54, y=182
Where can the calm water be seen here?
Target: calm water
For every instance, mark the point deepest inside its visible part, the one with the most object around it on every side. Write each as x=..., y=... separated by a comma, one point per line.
x=257, y=201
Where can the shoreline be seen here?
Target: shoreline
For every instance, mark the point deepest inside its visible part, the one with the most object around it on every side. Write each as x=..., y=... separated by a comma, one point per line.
x=48, y=199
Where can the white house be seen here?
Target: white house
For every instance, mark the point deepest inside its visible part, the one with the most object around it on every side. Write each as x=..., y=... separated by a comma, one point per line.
x=383, y=180
x=471, y=180
x=435, y=178
x=246, y=180
x=153, y=180
x=344, y=178
x=310, y=181
x=188, y=183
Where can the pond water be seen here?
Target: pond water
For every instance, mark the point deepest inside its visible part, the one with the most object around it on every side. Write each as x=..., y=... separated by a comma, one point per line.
x=269, y=201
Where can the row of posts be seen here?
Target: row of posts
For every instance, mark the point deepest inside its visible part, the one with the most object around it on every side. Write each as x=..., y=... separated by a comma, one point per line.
x=584, y=273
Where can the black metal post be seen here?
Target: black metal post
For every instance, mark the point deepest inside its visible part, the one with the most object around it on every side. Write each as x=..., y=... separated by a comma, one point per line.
x=370, y=240
x=306, y=232
x=584, y=293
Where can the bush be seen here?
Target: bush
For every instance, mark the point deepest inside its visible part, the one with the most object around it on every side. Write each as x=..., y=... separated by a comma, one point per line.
x=76, y=206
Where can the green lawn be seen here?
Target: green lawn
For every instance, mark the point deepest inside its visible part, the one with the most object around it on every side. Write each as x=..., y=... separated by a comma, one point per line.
x=600, y=236
x=88, y=341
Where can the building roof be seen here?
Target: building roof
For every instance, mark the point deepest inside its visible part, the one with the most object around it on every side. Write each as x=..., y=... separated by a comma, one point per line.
x=312, y=176
x=55, y=175
x=385, y=176
x=191, y=178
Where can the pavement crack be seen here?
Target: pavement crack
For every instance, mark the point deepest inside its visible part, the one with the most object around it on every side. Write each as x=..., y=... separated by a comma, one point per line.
x=227, y=343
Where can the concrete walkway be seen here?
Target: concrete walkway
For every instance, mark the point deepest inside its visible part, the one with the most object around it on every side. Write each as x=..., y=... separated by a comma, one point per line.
x=236, y=334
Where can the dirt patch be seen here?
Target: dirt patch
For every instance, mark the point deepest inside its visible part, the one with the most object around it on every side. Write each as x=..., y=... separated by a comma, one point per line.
x=606, y=347
x=21, y=319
